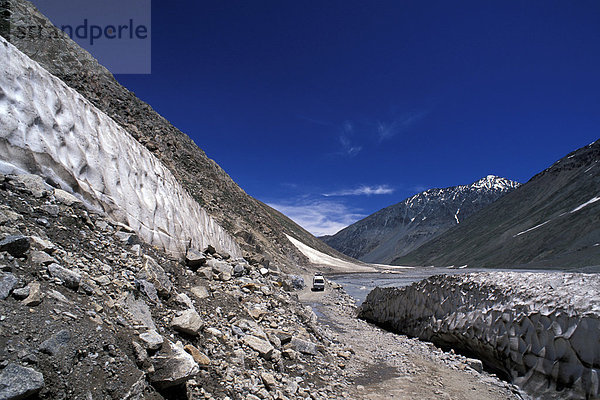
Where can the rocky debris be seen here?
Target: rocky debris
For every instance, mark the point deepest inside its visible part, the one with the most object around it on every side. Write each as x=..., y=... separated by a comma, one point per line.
x=70, y=279
x=155, y=274
x=297, y=282
x=240, y=329
x=17, y=382
x=222, y=269
x=15, y=245
x=7, y=283
x=188, y=322
x=541, y=329
x=172, y=366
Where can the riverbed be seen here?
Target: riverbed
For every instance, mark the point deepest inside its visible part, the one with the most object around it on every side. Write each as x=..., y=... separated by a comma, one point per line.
x=358, y=285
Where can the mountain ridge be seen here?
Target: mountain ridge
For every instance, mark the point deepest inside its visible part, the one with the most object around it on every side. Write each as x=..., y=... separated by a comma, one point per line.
x=549, y=222
x=404, y=226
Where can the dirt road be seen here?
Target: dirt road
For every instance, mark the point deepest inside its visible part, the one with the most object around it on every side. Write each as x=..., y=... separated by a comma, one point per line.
x=383, y=365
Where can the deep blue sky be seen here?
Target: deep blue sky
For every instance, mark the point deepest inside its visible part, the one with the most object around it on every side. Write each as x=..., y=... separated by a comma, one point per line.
x=300, y=99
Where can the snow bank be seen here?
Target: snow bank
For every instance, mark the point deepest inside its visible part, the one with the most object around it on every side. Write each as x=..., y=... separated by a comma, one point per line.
x=540, y=329
x=319, y=258
x=48, y=129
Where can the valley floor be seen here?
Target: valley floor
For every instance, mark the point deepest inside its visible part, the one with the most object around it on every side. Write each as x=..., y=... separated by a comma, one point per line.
x=384, y=365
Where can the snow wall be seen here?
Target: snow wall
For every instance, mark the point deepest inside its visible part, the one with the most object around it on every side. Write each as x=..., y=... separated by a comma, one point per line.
x=48, y=129
x=541, y=330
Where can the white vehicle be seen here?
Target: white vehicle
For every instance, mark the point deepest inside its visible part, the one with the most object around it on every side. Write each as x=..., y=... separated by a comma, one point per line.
x=318, y=283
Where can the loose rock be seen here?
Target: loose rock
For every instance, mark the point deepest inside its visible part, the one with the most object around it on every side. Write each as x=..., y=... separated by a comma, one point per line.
x=17, y=382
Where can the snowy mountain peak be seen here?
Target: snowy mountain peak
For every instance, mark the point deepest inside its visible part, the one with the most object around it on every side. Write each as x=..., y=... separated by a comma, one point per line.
x=404, y=226
x=496, y=183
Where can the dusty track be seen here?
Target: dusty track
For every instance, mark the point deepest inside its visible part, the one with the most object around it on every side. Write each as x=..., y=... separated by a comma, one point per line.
x=390, y=366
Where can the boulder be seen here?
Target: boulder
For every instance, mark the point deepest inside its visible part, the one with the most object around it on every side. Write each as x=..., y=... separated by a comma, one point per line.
x=151, y=340
x=56, y=342
x=201, y=358
x=194, y=259
x=7, y=283
x=15, y=245
x=297, y=282
x=65, y=198
x=17, y=382
x=264, y=348
x=35, y=295
x=70, y=279
x=220, y=268
x=148, y=289
x=172, y=366
x=20, y=293
x=188, y=322
x=200, y=292
x=304, y=346
x=206, y=273
x=42, y=258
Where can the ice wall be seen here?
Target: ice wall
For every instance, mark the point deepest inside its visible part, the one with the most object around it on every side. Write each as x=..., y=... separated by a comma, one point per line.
x=540, y=329
x=48, y=129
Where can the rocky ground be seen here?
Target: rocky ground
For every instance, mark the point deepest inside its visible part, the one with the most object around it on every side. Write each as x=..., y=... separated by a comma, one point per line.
x=88, y=311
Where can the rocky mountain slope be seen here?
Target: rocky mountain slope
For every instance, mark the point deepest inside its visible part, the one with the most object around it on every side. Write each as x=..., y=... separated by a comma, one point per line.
x=552, y=221
x=403, y=227
x=258, y=229
x=89, y=311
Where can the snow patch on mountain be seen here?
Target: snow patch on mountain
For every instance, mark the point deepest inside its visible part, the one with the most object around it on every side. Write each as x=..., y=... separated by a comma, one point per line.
x=48, y=129
x=316, y=257
x=587, y=203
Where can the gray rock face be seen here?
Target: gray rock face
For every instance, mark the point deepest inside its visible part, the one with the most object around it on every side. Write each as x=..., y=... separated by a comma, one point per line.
x=70, y=279
x=541, y=329
x=172, y=366
x=17, y=382
x=7, y=283
x=188, y=322
x=17, y=245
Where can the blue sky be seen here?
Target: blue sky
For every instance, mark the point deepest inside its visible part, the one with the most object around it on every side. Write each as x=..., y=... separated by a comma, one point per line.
x=332, y=110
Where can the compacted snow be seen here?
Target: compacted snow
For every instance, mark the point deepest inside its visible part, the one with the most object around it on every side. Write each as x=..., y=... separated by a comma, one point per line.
x=48, y=129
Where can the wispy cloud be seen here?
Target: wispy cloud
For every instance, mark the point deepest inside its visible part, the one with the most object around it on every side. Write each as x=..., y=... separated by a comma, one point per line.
x=389, y=129
x=362, y=191
x=319, y=217
x=348, y=148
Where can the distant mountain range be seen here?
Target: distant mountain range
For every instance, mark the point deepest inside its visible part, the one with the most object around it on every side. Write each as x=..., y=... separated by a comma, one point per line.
x=552, y=221
x=398, y=229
